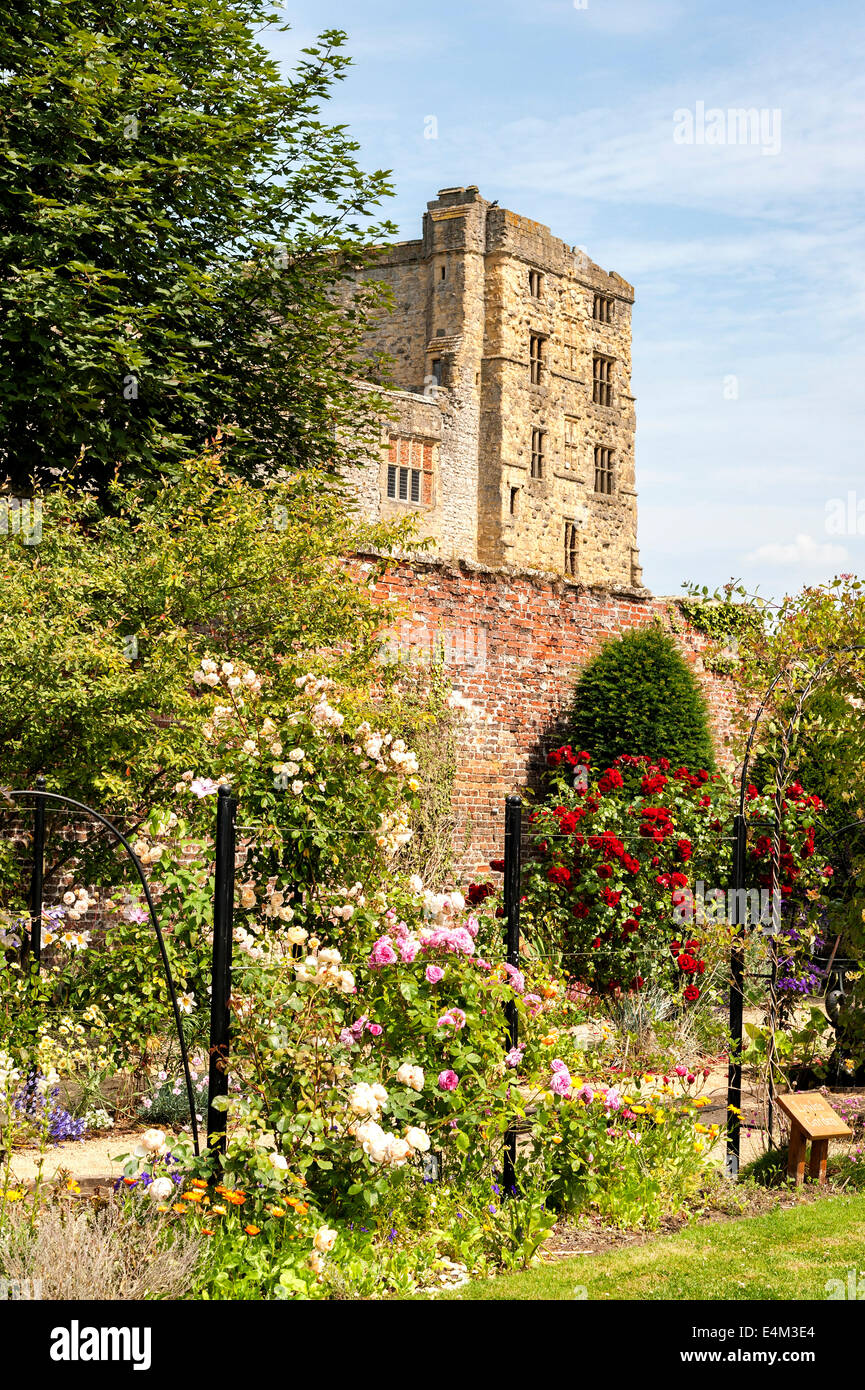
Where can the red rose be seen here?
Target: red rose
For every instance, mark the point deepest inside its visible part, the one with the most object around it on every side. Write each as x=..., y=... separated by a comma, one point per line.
x=605, y=871
x=580, y=910
x=554, y=759
x=691, y=994
x=559, y=874
x=497, y=866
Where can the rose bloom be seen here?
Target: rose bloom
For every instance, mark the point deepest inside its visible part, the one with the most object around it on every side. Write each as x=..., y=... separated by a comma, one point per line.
x=161, y=1189
x=151, y=1141
x=560, y=1082
x=433, y=974
x=325, y=1240
x=418, y=1138
x=448, y=1081
x=412, y=1076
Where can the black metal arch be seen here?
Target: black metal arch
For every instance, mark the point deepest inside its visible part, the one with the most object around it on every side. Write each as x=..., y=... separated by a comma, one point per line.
x=42, y=796
x=737, y=954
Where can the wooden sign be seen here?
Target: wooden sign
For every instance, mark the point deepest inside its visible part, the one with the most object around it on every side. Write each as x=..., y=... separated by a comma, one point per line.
x=811, y=1118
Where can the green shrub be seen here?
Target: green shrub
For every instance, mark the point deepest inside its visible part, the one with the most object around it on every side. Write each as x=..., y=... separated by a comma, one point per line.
x=639, y=696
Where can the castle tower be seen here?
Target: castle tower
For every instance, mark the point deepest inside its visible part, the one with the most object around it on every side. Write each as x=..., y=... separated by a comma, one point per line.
x=514, y=422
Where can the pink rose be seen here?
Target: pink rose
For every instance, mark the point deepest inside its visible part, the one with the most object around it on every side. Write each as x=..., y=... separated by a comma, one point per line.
x=382, y=953
x=433, y=974
x=517, y=979
x=454, y=1018
x=560, y=1082
x=448, y=1081
x=375, y=1029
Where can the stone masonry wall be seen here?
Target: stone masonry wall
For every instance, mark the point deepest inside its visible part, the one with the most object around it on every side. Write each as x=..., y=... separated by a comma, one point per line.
x=512, y=647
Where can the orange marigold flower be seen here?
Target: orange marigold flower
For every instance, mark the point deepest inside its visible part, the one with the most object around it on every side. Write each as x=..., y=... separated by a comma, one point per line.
x=252, y=1230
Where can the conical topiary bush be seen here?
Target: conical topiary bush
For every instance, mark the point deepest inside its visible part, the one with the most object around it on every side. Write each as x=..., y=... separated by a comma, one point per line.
x=639, y=696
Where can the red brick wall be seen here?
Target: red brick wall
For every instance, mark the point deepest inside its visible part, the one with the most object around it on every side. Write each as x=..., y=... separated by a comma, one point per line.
x=512, y=646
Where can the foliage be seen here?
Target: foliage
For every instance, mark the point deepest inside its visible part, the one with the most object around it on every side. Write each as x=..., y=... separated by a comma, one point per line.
x=104, y=623
x=638, y=695
x=177, y=216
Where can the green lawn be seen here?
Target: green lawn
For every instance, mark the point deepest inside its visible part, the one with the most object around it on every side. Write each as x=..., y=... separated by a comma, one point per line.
x=782, y=1255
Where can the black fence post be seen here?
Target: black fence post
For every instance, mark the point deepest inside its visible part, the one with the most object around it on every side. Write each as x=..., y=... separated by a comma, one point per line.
x=513, y=840
x=737, y=1000
x=220, y=977
x=33, y=955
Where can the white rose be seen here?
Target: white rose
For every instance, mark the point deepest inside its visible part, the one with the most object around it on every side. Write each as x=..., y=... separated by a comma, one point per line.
x=325, y=1240
x=247, y=897
x=161, y=1189
x=280, y=1162
x=152, y=1140
x=398, y=1150
x=418, y=1139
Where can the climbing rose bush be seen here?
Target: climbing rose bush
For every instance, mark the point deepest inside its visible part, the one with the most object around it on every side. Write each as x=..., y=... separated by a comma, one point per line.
x=626, y=861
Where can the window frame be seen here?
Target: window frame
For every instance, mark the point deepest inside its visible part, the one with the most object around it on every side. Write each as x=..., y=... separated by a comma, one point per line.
x=537, y=359
x=602, y=381
x=605, y=470
x=538, y=467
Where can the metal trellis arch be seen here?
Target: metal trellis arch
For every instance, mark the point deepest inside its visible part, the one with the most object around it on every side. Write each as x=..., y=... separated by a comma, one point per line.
x=42, y=796
x=737, y=955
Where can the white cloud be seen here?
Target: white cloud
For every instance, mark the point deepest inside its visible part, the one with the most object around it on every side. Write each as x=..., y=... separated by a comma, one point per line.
x=803, y=551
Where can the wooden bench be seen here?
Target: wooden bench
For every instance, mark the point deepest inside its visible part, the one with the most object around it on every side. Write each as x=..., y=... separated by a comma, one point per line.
x=811, y=1118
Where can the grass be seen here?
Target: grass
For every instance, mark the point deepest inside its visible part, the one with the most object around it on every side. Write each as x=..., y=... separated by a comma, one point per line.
x=785, y=1254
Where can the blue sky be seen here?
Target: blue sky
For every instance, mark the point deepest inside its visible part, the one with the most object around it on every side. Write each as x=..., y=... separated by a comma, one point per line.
x=749, y=267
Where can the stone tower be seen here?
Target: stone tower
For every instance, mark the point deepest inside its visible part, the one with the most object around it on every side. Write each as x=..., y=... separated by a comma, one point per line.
x=512, y=430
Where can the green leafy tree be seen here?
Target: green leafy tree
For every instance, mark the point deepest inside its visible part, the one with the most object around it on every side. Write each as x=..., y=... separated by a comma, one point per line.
x=639, y=696
x=175, y=220
x=105, y=619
